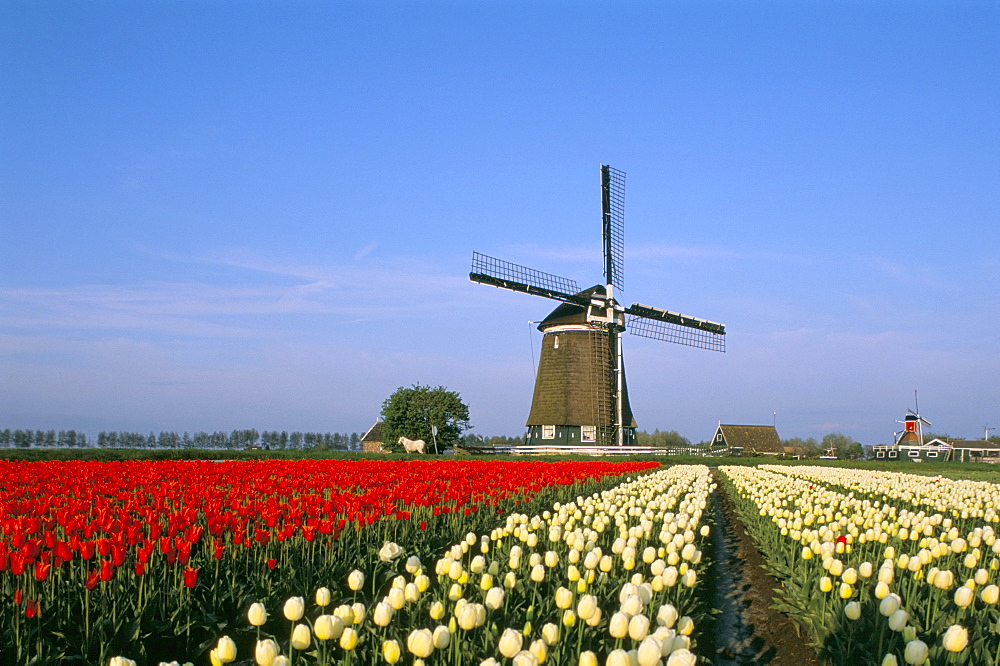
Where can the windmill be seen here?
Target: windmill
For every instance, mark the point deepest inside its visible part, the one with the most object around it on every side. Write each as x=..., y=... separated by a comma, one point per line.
x=580, y=394
x=912, y=433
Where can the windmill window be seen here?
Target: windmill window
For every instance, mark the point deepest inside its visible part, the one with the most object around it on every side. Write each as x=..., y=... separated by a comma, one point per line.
x=880, y=454
x=588, y=433
x=718, y=437
x=555, y=342
x=913, y=453
x=893, y=454
x=548, y=432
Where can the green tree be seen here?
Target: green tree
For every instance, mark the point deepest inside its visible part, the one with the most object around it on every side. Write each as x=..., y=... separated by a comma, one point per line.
x=662, y=438
x=806, y=448
x=841, y=444
x=411, y=412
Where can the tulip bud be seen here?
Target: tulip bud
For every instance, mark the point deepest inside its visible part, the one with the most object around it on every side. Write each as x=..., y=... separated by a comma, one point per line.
x=395, y=598
x=618, y=625
x=587, y=658
x=328, y=627
x=638, y=627
x=225, y=650
x=510, y=643
x=294, y=608
x=349, y=638
x=550, y=634
x=390, y=651
x=265, y=652
x=358, y=611
x=322, y=597
x=915, y=653
x=389, y=552
x=685, y=626
x=890, y=660
x=889, y=605
x=355, y=580
x=420, y=643
x=586, y=607
x=301, y=637
x=956, y=638
x=441, y=637
x=666, y=616
x=618, y=658
x=382, y=615
x=494, y=598
x=898, y=620
x=540, y=650
x=257, y=614
x=682, y=657
x=121, y=661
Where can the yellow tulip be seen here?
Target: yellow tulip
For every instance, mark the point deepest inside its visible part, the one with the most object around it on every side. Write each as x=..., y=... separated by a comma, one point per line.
x=510, y=643
x=301, y=637
x=265, y=652
x=349, y=638
x=294, y=608
x=956, y=638
x=225, y=649
x=257, y=615
x=420, y=643
x=390, y=651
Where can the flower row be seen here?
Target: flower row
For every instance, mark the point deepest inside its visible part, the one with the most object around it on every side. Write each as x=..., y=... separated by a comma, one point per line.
x=607, y=578
x=903, y=578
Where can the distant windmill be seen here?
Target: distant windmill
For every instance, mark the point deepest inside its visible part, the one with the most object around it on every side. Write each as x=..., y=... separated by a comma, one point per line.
x=580, y=392
x=913, y=426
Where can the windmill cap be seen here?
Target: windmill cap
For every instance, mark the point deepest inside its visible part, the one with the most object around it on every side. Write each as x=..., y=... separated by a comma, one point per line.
x=571, y=313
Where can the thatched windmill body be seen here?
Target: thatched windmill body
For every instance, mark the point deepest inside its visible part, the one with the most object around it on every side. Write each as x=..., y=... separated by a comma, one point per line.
x=580, y=392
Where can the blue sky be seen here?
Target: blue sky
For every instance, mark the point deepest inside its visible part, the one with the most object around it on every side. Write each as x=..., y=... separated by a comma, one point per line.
x=261, y=215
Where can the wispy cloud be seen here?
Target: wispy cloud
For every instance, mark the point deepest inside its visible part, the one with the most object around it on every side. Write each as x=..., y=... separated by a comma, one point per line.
x=234, y=305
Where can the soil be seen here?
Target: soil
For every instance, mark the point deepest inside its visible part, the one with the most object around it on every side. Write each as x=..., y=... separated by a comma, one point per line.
x=748, y=630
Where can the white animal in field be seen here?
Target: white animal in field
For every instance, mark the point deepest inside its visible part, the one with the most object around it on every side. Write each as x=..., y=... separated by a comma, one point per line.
x=412, y=445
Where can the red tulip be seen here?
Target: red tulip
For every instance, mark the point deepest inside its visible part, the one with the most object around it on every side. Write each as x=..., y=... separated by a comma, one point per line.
x=190, y=576
x=42, y=571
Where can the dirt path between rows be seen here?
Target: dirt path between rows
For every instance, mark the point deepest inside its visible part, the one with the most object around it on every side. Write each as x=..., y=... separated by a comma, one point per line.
x=748, y=630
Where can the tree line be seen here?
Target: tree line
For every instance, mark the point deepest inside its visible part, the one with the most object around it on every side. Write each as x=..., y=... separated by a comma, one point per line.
x=237, y=439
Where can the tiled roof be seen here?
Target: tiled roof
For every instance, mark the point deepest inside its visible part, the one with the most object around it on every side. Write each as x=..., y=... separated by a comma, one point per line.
x=762, y=439
x=974, y=444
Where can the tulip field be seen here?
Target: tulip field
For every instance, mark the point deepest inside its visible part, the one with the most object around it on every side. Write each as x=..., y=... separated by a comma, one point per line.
x=880, y=567
x=478, y=562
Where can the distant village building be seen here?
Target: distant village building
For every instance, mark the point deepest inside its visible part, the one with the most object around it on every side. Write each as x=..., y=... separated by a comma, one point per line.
x=964, y=450
x=373, y=440
x=910, y=445
x=747, y=440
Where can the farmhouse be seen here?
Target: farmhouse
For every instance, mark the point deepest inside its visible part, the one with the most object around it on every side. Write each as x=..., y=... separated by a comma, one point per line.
x=373, y=440
x=747, y=440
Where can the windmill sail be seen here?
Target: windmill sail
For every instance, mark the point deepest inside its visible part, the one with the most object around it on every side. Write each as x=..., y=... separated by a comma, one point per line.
x=504, y=274
x=657, y=324
x=613, y=214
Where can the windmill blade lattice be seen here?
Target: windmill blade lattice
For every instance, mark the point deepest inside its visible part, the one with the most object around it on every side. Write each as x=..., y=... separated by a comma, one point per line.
x=507, y=275
x=613, y=208
x=657, y=324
